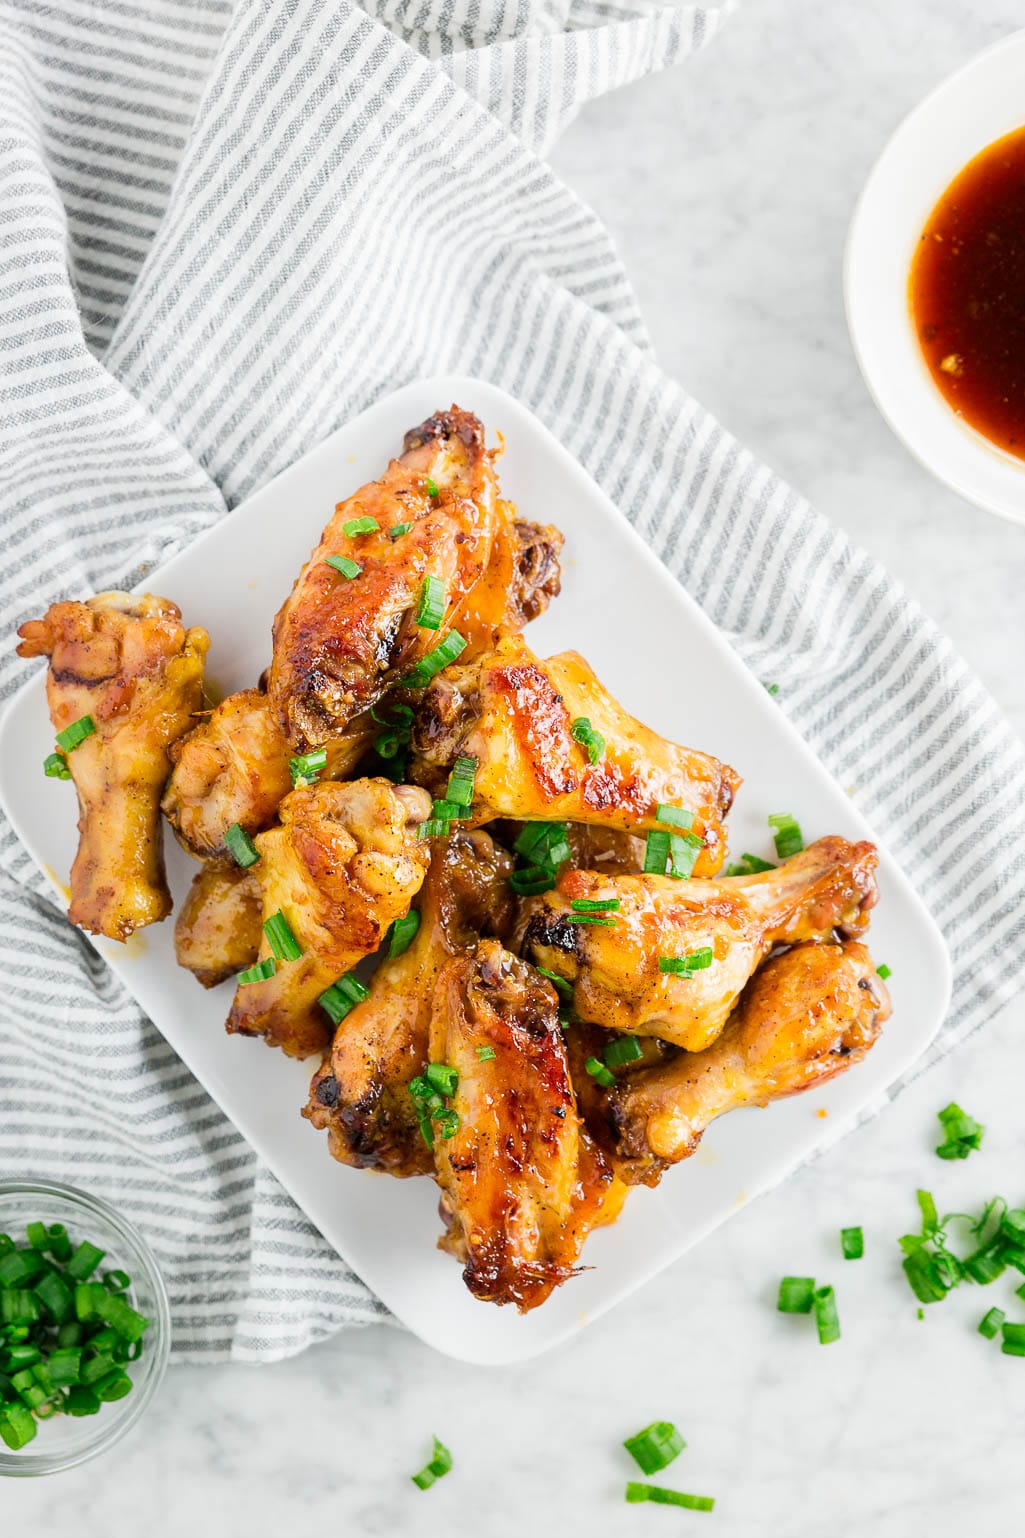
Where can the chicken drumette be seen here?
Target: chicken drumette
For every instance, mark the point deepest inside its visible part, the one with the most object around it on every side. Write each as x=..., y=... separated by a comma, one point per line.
x=218, y=930
x=125, y=662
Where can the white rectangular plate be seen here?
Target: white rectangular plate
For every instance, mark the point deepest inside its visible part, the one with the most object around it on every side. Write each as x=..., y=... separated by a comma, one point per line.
x=232, y=580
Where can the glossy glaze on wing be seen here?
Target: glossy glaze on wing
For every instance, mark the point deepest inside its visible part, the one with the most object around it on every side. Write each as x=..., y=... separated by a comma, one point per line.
x=126, y=661
x=345, y=862
x=514, y=714
x=615, y=971
x=217, y=932
x=360, y=1094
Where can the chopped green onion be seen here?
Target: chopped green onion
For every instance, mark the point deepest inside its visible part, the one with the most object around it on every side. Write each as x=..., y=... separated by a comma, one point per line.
x=240, y=846
x=398, y=529
x=55, y=1295
x=442, y=1077
x=17, y=1426
x=962, y=1134
x=755, y=865
x=439, y=657
x=625, y=1049
x=683, y=854
x=884, y=971
x=281, y=939
x=929, y=1278
x=852, y=1242
x=258, y=973
x=485, y=1054
x=772, y=689
x=305, y=768
x=342, y=563
x=787, y=834
x=656, y=853
x=675, y=816
x=583, y=732
x=342, y=996
x=655, y=1447
x=590, y=918
x=532, y=880
x=55, y=767
x=445, y=811
x=562, y=985
x=796, y=1295
x=430, y=610
x=985, y=1265
x=460, y=784
x=826, y=1317
x=686, y=966
x=36, y=1235
x=18, y=1266
x=594, y=905
x=538, y=840
x=598, y=1071
x=441, y=1458
x=432, y=487
x=80, y=1400
x=116, y=1281
x=364, y=525
x=84, y=1261
x=1013, y=1339
x=1012, y=1224
x=660, y=1496
x=402, y=934
x=434, y=827
x=77, y=732
x=990, y=1323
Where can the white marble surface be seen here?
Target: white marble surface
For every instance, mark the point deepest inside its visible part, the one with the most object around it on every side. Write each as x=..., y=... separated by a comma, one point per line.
x=728, y=185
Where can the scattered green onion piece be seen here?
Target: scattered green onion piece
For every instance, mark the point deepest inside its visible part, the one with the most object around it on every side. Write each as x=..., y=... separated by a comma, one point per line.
x=442, y=1077
x=17, y=1426
x=990, y=1323
x=590, y=918
x=660, y=1496
x=852, y=1242
x=884, y=971
x=656, y=853
x=305, y=768
x=928, y=1280
x=686, y=966
x=363, y=525
x=439, y=657
x=755, y=865
x=398, y=529
x=432, y=487
x=460, y=782
x=962, y=1133
x=114, y=1386
x=281, y=939
x=441, y=1458
x=445, y=811
x=984, y=1265
x=1013, y=1339
x=826, y=1317
x=77, y=732
x=1012, y=1225
x=485, y=1054
x=787, y=834
x=674, y=816
x=683, y=854
x=434, y=827
x=447, y=1123
x=258, y=973
x=625, y=1049
x=594, y=905
x=772, y=689
x=37, y=1235
x=655, y=1447
x=16, y=1267
x=562, y=985
x=402, y=934
x=240, y=846
x=342, y=563
x=532, y=880
x=599, y=1073
x=65, y=1367
x=430, y=609
x=927, y=1207
x=342, y=996
x=56, y=1296
x=80, y=1400
x=117, y=1281
x=84, y=1261
x=796, y=1295
x=593, y=742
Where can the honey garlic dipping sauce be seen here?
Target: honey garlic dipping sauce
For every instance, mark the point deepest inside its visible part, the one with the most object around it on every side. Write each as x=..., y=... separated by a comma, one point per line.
x=967, y=293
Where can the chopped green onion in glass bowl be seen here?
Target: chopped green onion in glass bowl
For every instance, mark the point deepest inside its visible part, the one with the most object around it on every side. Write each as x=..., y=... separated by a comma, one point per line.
x=85, y=1327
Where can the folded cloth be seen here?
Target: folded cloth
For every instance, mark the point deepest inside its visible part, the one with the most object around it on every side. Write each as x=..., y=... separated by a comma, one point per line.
x=225, y=229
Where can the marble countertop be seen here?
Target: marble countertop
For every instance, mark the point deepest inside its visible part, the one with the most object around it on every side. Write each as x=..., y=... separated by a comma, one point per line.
x=728, y=185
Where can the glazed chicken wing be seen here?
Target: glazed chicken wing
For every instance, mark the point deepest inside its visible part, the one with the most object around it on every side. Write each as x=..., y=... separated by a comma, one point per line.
x=514, y=715
x=520, y=580
x=233, y=768
x=126, y=662
x=719, y=932
x=807, y=1015
x=218, y=931
x=339, y=641
x=345, y=862
x=361, y=1092
x=522, y=1183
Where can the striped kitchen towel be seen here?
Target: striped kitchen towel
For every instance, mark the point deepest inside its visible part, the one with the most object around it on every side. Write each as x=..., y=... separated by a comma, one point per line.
x=227, y=227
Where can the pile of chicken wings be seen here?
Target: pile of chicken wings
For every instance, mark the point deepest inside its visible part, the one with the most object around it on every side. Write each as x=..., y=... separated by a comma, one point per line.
x=568, y=991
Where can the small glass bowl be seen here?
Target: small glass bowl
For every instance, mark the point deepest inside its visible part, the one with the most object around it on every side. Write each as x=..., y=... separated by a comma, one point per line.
x=65, y=1441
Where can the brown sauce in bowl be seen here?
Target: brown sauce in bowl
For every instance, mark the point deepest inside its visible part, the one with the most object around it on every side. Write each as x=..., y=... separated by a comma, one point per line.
x=967, y=293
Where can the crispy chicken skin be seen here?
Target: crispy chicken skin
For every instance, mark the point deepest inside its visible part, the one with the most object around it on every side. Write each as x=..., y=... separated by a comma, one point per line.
x=614, y=968
x=522, y=1183
x=126, y=661
x=345, y=862
x=514, y=714
x=338, y=643
x=217, y=932
x=360, y=1094
x=806, y=1015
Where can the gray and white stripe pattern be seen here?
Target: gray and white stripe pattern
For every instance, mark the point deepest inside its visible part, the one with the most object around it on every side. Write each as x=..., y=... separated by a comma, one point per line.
x=225, y=228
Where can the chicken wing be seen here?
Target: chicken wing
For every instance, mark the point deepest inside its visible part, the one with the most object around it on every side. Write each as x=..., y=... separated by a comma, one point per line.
x=345, y=862
x=522, y=1183
x=218, y=933
x=126, y=662
x=360, y=1094
x=806, y=1015
x=715, y=933
x=339, y=641
x=514, y=715
x=233, y=767
x=519, y=582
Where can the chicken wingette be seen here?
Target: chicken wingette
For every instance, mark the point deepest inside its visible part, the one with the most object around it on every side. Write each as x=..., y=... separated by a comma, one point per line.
x=361, y=1092
x=806, y=1015
x=345, y=862
x=218, y=929
x=522, y=1182
x=515, y=715
x=670, y=958
x=342, y=637
x=124, y=665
